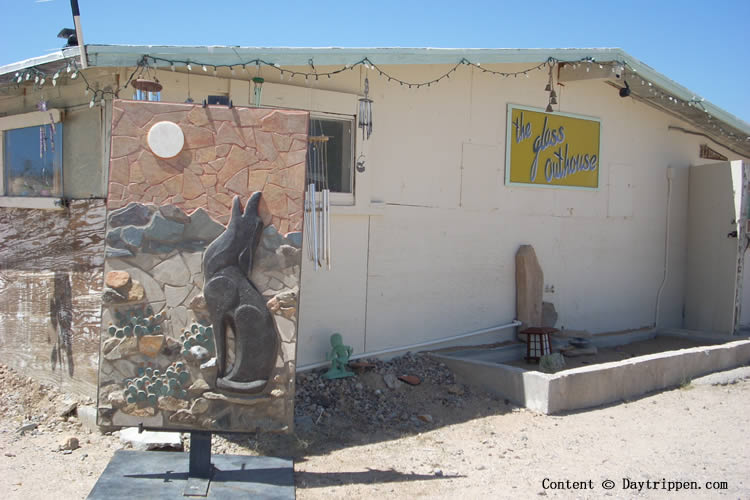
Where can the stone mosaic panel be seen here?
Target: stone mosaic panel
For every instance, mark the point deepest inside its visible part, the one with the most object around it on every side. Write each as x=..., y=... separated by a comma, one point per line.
x=175, y=353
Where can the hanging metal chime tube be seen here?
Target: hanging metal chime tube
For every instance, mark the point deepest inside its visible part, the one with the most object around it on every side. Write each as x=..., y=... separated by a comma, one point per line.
x=365, y=112
x=257, y=90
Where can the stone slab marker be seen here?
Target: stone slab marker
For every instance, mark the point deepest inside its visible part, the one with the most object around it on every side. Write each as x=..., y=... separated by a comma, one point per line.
x=529, y=287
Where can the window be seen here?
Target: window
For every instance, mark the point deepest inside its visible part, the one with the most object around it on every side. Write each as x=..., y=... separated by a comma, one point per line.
x=332, y=114
x=144, y=95
x=31, y=157
x=219, y=100
x=338, y=152
x=32, y=161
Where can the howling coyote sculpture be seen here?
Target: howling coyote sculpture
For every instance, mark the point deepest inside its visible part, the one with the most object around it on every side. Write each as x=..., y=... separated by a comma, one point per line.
x=233, y=302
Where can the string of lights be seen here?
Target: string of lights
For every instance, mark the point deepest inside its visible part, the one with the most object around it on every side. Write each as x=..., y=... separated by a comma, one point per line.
x=72, y=70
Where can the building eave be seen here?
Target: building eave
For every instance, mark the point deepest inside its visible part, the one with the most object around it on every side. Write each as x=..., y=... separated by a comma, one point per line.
x=722, y=126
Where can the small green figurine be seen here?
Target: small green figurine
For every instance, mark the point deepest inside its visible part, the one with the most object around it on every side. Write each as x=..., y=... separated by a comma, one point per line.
x=339, y=357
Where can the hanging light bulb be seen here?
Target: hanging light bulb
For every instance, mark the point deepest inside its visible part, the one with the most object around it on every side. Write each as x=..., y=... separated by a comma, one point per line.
x=204, y=68
x=231, y=70
x=20, y=78
x=74, y=75
x=171, y=66
x=93, y=101
x=365, y=112
x=67, y=70
x=189, y=67
x=214, y=70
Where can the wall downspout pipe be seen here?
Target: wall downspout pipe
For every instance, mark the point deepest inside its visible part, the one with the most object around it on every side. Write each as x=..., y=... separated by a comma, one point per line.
x=389, y=350
x=79, y=32
x=670, y=173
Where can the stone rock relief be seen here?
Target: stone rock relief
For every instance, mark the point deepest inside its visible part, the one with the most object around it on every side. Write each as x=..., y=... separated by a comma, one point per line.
x=159, y=354
x=236, y=306
x=227, y=152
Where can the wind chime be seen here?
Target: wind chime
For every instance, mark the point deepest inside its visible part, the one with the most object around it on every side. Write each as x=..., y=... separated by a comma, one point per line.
x=551, y=89
x=257, y=88
x=47, y=143
x=318, y=202
x=147, y=86
x=365, y=112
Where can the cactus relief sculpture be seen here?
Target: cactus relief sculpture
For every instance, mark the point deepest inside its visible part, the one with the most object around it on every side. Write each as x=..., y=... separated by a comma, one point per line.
x=234, y=303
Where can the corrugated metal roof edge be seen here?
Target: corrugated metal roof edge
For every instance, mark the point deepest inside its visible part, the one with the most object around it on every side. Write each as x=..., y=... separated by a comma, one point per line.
x=129, y=55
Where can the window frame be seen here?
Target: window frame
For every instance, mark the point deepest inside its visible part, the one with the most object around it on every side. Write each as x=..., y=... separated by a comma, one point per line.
x=332, y=103
x=339, y=198
x=25, y=120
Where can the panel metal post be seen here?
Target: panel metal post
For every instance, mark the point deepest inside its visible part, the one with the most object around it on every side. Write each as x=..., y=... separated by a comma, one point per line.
x=200, y=469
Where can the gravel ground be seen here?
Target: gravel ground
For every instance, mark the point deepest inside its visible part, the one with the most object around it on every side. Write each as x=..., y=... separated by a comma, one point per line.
x=367, y=436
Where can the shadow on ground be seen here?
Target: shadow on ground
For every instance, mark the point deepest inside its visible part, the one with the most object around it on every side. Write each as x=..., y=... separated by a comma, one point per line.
x=370, y=476
x=370, y=408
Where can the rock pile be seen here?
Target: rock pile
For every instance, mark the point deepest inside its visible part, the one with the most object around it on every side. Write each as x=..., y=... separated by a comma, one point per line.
x=376, y=398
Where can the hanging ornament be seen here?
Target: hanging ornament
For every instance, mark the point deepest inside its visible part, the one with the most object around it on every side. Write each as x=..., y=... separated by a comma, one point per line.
x=551, y=89
x=365, y=112
x=257, y=90
x=145, y=82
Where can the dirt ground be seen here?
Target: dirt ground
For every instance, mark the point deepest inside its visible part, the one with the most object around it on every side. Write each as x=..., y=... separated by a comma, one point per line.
x=475, y=446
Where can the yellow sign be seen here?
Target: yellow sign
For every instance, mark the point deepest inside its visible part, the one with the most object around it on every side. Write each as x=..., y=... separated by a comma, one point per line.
x=552, y=149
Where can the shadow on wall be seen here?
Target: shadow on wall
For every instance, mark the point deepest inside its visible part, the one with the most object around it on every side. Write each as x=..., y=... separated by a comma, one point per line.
x=61, y=316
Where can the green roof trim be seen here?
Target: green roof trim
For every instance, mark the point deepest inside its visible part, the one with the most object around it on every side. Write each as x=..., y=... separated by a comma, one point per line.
x=129, y=55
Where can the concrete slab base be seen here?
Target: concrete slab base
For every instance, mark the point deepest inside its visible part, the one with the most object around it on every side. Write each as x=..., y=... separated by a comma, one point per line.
x=161, y=475
x=599, y=384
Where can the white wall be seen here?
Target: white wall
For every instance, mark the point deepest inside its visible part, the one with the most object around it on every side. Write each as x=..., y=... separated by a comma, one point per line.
x=441, y=252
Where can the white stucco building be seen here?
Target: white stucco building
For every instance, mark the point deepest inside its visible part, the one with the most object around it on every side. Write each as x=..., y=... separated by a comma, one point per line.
x=425, y=231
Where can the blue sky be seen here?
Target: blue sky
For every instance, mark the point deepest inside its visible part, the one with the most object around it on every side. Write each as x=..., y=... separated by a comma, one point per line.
x=701, y=45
